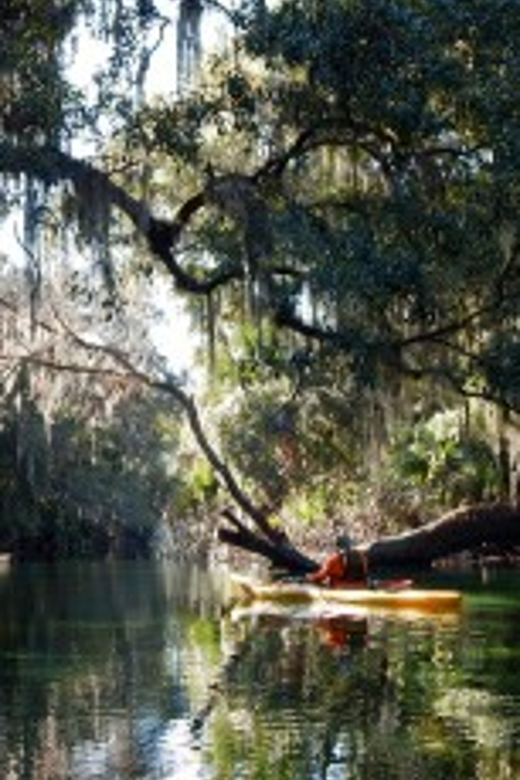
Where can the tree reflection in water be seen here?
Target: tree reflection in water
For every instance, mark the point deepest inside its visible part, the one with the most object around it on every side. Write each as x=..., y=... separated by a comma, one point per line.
x=349, y=699
x=131, y=671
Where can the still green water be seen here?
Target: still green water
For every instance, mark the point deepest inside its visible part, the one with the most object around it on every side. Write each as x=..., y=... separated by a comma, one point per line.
x=136, y=672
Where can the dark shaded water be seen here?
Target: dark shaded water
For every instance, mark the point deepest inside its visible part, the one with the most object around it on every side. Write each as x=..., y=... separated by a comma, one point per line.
x=133, y=671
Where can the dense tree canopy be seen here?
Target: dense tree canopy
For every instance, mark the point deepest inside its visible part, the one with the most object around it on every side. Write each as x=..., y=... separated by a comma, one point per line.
x=337, y=189
x=357, y=156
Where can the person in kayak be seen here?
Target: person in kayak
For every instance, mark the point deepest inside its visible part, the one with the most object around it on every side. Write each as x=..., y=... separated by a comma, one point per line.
x=345, y=568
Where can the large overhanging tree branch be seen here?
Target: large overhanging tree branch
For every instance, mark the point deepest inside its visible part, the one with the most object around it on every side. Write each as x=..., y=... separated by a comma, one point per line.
x=436, y=145
x=263, y=539
x=53, y=166
x=267, y=540
x=228, y=192
x=480, y=528
x=234, y=194
x=399, y=353
x=239, y=197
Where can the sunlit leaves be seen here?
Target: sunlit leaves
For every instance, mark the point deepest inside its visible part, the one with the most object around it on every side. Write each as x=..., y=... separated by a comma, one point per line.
x=353, y=165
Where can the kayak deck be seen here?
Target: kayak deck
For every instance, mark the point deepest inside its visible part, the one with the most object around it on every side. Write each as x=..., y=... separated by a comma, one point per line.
x=393, y=597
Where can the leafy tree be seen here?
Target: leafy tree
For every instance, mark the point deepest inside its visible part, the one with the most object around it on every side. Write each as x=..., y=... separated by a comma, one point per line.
x=86, y=456
x=441, y=463
x=343, y=181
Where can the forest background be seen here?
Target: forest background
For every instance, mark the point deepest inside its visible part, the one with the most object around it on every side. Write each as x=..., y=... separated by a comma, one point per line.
x=331, y=194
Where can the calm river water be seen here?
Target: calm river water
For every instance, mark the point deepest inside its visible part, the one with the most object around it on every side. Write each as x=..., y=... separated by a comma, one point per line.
x=138, y=672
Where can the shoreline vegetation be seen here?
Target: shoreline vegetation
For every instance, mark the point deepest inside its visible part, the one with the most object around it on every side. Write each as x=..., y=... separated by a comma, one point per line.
x=469, y=537
x=343, y=246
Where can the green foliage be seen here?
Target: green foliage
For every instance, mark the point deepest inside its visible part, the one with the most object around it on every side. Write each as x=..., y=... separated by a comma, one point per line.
x=197, y=487
x=251, y=427
x=443, y=462
x=84, y=490
x=313, y=504
x=346, y=183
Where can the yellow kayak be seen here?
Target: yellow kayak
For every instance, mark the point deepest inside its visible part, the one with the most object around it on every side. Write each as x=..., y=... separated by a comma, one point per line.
x=396, y=595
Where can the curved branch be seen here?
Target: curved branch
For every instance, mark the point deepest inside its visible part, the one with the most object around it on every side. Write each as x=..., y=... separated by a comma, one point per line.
x=286, y=317
x=267, y=541
x=53, y=166
x=173, y=388
x=276, y=165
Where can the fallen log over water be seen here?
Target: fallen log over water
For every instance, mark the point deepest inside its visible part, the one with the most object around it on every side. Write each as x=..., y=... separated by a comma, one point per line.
x=476, y=529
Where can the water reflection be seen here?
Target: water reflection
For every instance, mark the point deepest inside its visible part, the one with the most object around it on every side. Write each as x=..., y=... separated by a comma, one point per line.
x=135, y=671
x=96, y=664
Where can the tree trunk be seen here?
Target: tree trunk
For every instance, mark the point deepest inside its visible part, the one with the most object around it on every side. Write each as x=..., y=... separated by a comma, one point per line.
x=277, y=550
x=473, y=528
x=478, y=528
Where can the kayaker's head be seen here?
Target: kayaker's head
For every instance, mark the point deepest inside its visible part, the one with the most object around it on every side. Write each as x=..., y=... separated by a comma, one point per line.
x=344, y=543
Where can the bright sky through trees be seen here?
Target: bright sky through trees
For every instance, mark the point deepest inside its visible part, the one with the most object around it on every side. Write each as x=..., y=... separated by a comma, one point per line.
x=86, y=55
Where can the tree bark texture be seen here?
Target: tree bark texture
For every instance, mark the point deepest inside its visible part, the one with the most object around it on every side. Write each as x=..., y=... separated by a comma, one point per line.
x=478, y=528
